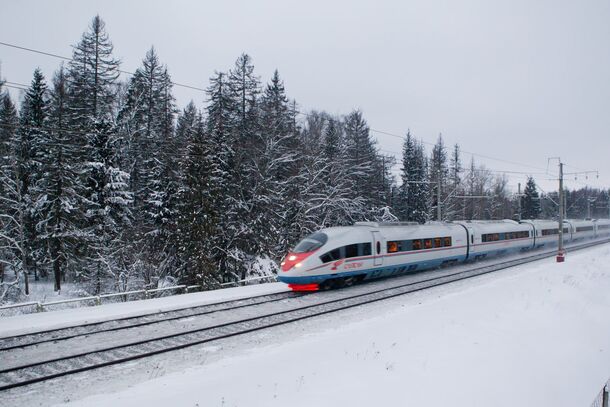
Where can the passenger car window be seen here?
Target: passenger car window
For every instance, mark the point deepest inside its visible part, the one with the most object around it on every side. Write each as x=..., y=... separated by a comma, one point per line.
x=417, y=244
x=378, y=247
x=366, y=249
x=437, y=242
x=428, y=243
x=351, y=250
x=447, y=241
x=331, y=255
x=392, y=247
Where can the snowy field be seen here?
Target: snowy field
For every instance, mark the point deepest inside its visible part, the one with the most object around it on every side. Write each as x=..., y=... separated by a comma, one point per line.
x=535, y=335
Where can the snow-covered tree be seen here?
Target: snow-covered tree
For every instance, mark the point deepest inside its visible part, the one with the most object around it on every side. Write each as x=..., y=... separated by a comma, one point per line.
x=104, y=186
x=147, y=122
x=412, y=203
x=60, y=205
x=438, y=176
x=198, y=208
x=530, y=204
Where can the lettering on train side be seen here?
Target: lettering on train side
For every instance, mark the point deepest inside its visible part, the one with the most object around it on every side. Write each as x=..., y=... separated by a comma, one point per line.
x=352, y=265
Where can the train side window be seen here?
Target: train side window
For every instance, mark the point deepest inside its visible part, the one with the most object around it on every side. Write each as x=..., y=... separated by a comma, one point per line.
x=351, y=250
x=416, y=244
x=438, y=242
x=472, y=239
x=366, y=249
x=392, y=247
x=427, y=243
x=378, y=248
x=331, y=255
x=447, y=241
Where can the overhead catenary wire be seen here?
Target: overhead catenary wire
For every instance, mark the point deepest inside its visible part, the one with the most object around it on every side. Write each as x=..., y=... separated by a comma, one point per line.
x=50, y=54
x=484, y=156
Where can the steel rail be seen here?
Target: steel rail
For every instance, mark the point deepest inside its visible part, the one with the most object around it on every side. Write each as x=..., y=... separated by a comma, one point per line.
x=29, y=339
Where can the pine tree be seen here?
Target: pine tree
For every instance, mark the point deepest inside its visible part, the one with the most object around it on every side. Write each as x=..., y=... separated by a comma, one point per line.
x=242, y=221
x=276, y=195
x=363, y=162
x=438, y=174
x=33, y=130
x=147, y=121
x=59, y=202
x=413, y=193
x=10, y=217
x=198, y=209
x=455, y=206
x=223, y=189
x=104, y=186
x=530, y=205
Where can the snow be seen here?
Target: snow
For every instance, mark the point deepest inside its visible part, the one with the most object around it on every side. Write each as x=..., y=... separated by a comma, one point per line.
x=22, y=324
x=535, y=335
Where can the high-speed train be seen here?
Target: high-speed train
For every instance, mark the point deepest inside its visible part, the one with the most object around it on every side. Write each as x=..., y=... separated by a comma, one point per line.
x=338, y=256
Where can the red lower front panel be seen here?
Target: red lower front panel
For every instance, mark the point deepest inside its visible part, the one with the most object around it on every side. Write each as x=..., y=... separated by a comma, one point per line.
x=304, y=287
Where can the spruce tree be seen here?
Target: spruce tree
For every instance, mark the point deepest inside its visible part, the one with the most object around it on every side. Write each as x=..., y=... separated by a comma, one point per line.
x=438, y=174
x=147, y=122
x=413, y=193
x=455, y=206
x=10, y=219
x=103, y=185
x=61, y=214
x=198, y=209
x=276, y=196
x=223, y=188
x=241, y=225
x=530, y=204
x=364, y=162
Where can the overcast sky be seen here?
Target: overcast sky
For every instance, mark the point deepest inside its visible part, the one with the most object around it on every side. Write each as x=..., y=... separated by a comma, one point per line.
x=517, y=80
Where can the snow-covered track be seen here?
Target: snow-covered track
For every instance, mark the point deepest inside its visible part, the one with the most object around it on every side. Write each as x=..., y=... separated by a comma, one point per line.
x=340, y=300
x=54, y=335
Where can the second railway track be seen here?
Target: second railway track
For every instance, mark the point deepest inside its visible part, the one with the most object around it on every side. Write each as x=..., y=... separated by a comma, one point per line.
x=33, y=372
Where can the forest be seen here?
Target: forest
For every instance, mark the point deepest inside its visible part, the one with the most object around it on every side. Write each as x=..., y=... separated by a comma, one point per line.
x=106, y=183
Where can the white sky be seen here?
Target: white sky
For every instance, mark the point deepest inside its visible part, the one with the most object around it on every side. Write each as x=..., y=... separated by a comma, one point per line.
x=518, y=80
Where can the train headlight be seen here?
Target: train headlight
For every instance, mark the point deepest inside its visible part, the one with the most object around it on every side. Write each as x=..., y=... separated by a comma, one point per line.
x=298, y=265
x=292, y=258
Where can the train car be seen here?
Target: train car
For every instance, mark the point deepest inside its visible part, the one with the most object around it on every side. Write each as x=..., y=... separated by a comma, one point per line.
x=491, y=238
x=546, y=232
x=602, y=227
x=581, y=229
x=339, y=256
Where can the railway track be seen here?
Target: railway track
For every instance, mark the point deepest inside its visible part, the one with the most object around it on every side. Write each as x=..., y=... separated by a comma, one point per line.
x=31, y=339
x=24, y=374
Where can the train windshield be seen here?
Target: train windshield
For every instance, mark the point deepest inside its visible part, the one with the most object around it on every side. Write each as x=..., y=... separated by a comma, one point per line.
x=311, y=243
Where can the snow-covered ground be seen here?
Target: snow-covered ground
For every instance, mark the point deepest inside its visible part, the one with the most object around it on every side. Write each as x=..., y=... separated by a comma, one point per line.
x=29, y=323
x=535, y=335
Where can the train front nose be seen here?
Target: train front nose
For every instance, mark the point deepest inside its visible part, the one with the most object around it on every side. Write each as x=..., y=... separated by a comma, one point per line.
x=292, y=264
x=296, y=263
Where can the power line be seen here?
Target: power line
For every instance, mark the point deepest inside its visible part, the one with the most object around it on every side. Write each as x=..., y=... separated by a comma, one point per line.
x=488, y=157
x=70, y=59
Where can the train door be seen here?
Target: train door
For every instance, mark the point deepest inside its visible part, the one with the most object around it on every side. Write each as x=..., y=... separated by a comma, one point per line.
x=469, y=241
x=377, y=255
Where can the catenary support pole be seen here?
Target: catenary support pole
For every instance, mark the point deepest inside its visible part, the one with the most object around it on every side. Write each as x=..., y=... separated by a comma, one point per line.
x=519, y=200
x=560, y=251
